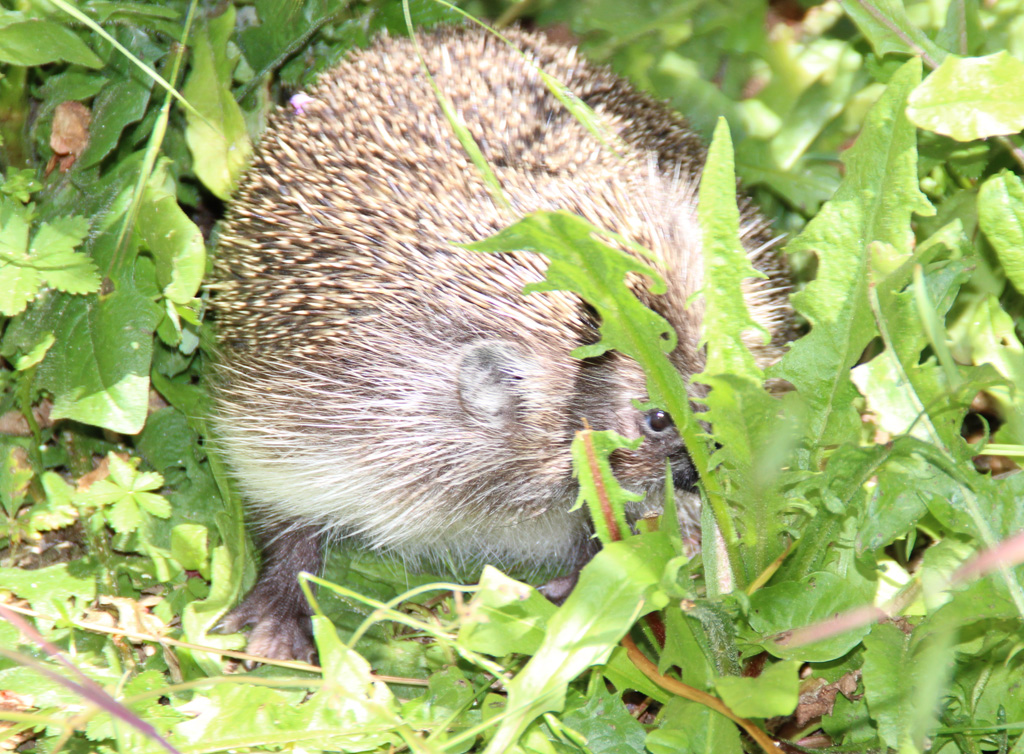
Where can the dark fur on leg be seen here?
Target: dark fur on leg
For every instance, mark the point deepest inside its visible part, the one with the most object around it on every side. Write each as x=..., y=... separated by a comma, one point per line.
x=276, y=607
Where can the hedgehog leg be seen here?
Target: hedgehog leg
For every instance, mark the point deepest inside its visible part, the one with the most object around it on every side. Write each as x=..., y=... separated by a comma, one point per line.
x=276, y=607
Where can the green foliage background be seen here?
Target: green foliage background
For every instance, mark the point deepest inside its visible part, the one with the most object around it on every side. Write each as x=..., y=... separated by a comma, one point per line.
x=862, y=592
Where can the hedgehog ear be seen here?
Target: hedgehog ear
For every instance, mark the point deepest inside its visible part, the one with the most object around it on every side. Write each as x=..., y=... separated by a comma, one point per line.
x=493, y=377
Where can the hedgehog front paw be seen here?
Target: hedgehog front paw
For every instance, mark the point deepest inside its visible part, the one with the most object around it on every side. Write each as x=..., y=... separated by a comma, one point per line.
x=280, y=629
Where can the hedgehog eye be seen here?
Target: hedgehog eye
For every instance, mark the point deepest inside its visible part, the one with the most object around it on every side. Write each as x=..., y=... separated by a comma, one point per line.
x=658, y=421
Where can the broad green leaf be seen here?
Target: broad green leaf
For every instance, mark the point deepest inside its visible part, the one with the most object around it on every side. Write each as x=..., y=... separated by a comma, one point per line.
x=31, y=42
x=971, y=98
x=49, y=589
x=505, y=616
x=175, y=241
x=770, y=694
x=693, y=728
x=886, y=25
x=219, y=141
x=875, y=202
x=1001, y=214
x=814, y=601
x=99, y=372
x=904, y=678
x=605, y=603
x=190, y=547
x=888, y=679
x=122, y=101
x=606, y=724
x=282, y=24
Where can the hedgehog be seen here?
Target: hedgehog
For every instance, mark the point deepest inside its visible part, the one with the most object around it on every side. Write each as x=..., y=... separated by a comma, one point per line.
x=378, y=383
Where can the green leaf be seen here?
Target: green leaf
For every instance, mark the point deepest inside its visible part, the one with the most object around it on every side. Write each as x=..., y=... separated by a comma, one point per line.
x=773, y=693
x=14, y=481
x=584, y=631
x=604, y=497
x=190, y=547
x=57, y=262
x=175, y=241
x=971, y=98
x=904, y=678
x=875, y=202
x=282, y=24
x=606, y=724
x=125, y=493
x=581, y=263
x=693, y=728
x=887, y=682
x=122, y=101
x=1001, y=214
x=726, y=266
x=49, y=589
x=49, y=259
x=34, y=42
x=218, y=140
x=886, y=25
x=505, y=616
x=994, y=341
x=99, y=373
x=58, y=510
x=20, y=184
x=775, y=611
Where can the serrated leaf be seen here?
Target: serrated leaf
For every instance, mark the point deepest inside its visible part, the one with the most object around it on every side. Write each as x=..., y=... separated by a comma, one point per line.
x=693, y=728
x=58, y=263
x=219, y=141
x=971, y=98
x=49, y=259
x=905, y=674
x=875, y=202
x=604, y=497
x=124, y=492
x=726, y=265
x=887, y=683
x=606, y=724
x=153, y=504
x=124, y=515
x=581, y=263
